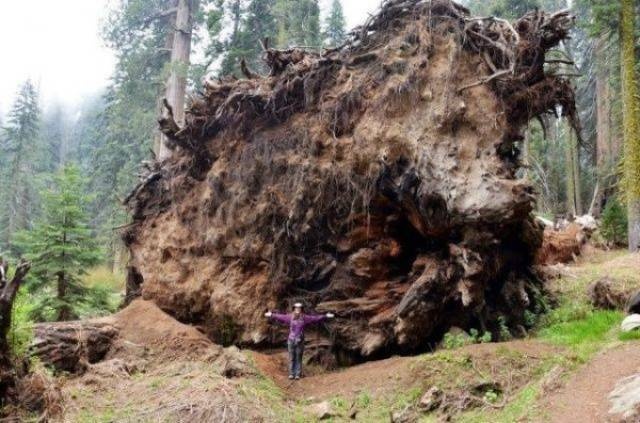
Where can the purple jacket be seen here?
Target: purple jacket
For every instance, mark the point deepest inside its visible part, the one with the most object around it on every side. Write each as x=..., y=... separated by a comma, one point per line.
x=296, y=326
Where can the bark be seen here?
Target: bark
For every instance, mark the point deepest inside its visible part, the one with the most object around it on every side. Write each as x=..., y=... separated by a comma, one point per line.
x=168, y=46
x=604, y=152
x=8, y=292
x=574, y=197
x=180, y=54
x=631, y=122
x=70, y=346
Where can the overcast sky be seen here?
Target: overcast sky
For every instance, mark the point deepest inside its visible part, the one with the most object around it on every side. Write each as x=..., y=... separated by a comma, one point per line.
x=57, y=44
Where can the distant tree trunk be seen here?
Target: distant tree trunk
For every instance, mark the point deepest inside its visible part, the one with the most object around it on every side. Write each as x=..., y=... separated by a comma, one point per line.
x=64, y=313
x=604, y=152
x=574, y=197
x=631, y=121
x=180, y=53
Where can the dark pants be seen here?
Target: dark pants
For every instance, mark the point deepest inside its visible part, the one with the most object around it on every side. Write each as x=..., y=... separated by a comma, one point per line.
x=295, y=357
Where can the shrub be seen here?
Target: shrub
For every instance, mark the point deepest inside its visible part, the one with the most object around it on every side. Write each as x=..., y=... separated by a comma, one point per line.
x=614, y=223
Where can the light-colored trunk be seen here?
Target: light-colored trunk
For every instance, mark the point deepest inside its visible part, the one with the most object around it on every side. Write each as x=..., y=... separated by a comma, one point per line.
x=631, y=121
x=168, y=46
x=180, y=53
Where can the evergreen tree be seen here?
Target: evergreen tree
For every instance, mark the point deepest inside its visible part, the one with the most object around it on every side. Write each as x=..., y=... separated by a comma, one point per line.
x=233, y=46
x=614, y=222
x=335, y=25
x=304, y=26
x=19, y=149
x=259, y=24
x=61, y=247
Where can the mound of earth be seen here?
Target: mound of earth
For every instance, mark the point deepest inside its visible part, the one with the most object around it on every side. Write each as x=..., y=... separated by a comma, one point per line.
x=377, y=180
x=127, y=340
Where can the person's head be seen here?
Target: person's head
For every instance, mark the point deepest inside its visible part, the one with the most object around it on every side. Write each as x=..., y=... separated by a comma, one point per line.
x=297, y=309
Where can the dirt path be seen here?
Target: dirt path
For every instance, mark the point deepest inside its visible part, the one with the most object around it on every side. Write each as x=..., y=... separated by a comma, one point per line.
x=375, y=377
x=584, y=398
x=380, y=376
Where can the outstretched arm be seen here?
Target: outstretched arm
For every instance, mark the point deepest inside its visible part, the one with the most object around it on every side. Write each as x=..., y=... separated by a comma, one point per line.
x=279, y=317
x=317, y=318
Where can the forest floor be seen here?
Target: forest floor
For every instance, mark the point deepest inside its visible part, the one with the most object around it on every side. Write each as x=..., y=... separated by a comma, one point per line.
x=564, y=372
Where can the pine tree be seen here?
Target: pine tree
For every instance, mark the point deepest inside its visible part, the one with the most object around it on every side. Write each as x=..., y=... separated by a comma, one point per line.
x=233, y=46
x=20, y=149
x=259, y=24
x=60, y=248
x=335, y=25
x=305, y=25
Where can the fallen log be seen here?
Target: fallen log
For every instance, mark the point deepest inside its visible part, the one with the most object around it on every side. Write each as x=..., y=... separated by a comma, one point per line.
x=72, y=346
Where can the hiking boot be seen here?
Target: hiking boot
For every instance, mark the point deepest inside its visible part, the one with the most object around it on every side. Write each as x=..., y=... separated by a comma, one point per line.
x=297, y=378
x=290, y=376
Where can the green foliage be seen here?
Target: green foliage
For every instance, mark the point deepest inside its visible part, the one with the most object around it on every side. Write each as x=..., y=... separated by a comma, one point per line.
x=335, y=31
x=614, y=222
x=21, y=330
x=61, y=246
x=19, y=154
x=503, y=327
x=633, y=335
x=452, y=341
x=298, y=23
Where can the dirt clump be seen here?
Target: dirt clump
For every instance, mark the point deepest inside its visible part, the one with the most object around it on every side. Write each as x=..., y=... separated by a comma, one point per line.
x=377, y=180
x=561, y=245
x=605, y=294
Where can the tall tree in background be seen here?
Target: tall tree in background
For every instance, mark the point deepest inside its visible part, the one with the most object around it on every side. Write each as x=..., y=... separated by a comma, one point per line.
x=179, y=65
x=305, y=24
x=606, y=151
x=55, y=138
x=631, y=121
x=233, y=46
x=20, y=149
x=298, y=23
x=335, y=31
x=122, y=127
x=260, y=23
x=61, y=247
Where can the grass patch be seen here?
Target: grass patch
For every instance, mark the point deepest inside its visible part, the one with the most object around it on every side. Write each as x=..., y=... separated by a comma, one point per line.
x=103, y=276
x=594, y=327
x=634, y=335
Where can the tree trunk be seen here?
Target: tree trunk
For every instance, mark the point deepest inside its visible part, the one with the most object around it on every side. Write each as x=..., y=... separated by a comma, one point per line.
x=604, y=154
x=70, y=346
x=631, y=122
x=158, y=139
x=64, y=313
x=180, y=52
x=8, y=292
x=574, y=198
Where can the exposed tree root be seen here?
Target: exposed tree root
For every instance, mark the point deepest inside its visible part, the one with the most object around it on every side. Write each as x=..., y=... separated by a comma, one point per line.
x=376, y=180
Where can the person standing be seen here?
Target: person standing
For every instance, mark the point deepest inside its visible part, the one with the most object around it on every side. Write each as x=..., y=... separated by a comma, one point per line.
x=297, y=321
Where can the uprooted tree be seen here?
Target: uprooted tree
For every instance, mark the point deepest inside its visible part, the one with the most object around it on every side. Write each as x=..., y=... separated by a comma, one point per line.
x=376, y=180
